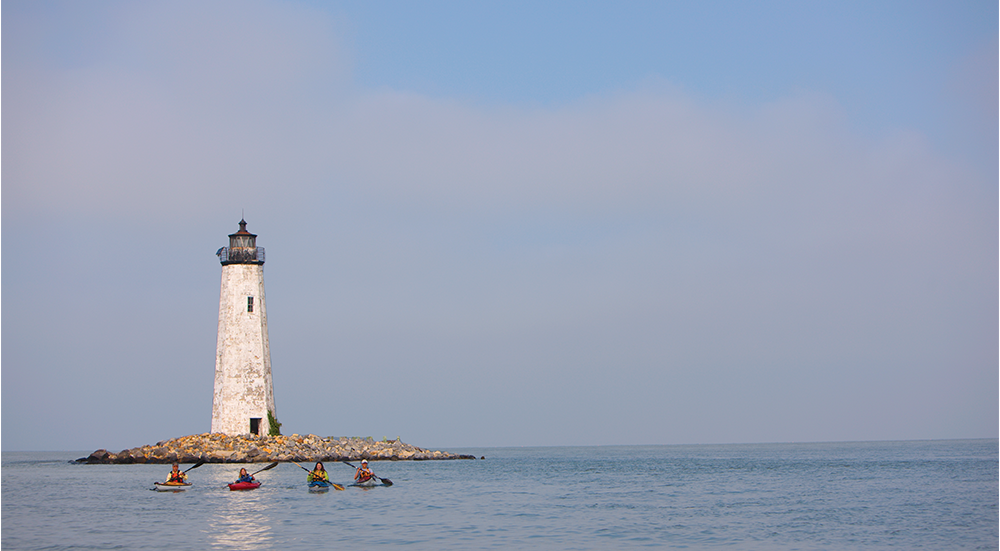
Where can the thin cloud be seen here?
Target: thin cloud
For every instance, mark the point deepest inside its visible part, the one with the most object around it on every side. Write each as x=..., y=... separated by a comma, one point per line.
x=645, y=251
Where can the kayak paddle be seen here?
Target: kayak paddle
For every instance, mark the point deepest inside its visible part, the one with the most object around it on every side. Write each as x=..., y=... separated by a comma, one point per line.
x=337, y=486
x=195, y=466
x=385, y=481
x=271, y=466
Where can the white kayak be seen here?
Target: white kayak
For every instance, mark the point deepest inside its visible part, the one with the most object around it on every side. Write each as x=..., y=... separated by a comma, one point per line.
x=171, y=486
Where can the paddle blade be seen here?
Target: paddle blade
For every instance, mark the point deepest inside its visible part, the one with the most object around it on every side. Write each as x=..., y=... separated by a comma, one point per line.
x=271, y=466
x=386, y=481
x=337, y=486
x=195, y=466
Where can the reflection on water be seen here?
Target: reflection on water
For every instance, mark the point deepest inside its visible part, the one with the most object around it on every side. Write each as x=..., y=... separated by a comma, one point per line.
x=863, y=495
x=240, y=525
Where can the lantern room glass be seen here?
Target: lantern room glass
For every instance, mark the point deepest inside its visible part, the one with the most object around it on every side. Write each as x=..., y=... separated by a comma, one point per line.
x=237, y=241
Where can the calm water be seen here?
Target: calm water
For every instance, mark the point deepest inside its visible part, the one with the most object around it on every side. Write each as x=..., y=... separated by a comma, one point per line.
x=896, y=495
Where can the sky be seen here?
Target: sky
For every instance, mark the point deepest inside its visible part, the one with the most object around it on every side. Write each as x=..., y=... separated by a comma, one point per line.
x=505, y=223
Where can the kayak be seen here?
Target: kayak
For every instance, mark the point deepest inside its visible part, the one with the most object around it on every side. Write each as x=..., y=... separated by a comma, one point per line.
x=171, y=486
x=244, y=485
x=368, y=483
x=319, y=485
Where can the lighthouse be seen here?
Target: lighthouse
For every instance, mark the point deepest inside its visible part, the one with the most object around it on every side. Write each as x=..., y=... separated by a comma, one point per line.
x=243, y=391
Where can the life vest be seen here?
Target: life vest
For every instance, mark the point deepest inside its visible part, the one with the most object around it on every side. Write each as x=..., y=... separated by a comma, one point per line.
x=364, y=475
x=176, y=477
x=317, y=475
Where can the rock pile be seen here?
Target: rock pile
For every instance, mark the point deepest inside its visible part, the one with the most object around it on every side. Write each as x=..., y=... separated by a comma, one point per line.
x=221, y=448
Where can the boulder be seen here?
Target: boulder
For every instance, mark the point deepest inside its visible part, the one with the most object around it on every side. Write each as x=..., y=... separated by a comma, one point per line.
x=99, y=456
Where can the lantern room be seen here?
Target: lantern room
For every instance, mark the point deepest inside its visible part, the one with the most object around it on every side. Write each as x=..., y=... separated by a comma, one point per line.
x=242, y=248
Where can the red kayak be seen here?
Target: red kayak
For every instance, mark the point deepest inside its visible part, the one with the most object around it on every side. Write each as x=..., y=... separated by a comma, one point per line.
x=244, y=485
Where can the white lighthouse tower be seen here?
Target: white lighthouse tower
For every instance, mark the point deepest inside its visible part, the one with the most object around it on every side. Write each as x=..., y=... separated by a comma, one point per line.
x=243, y=391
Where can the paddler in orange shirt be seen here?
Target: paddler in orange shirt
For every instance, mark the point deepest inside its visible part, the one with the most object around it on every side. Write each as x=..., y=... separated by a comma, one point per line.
x=176, y=476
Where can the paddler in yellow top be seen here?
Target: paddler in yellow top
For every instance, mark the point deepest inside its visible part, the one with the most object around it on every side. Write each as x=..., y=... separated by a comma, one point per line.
x=318, y=473
x=364, y=474
x=176, y=476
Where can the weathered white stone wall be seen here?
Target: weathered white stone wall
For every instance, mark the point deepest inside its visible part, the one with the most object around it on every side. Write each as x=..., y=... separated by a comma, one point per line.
x=243, y=357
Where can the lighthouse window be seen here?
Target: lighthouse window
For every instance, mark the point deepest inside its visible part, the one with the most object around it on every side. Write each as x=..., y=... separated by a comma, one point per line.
x=249, y=304
x=241, y=241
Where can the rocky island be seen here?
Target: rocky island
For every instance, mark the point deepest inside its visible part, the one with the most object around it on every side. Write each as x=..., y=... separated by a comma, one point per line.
x=222, y=448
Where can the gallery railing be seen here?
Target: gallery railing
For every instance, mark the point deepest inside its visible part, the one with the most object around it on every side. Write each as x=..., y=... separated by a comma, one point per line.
x=241, y=255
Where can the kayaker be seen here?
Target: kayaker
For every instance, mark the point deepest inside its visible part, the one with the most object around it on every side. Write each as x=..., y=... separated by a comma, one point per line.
x=318, y=473
x=176, y=475
x=245, y=477
x=364, y=474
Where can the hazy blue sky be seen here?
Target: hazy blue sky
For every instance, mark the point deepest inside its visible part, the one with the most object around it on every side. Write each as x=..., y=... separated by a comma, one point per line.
x=506, y=223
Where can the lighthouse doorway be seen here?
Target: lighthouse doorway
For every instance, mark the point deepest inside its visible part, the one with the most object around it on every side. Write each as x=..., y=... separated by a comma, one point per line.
x=255, y=425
